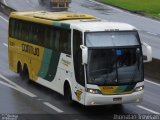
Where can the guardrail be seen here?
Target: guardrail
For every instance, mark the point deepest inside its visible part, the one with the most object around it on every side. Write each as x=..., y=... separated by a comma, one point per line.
x=151, y=69
x=6, y=9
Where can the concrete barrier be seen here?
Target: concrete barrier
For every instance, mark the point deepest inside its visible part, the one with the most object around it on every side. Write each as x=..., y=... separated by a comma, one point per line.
x=152, y=69
x=5, y=9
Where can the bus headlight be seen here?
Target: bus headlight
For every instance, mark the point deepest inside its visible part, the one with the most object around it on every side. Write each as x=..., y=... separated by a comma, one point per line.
x=93, y=91
x=139, y=88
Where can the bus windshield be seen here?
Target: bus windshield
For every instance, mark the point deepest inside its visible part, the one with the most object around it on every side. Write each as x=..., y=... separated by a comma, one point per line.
x=114, y=65
x=109, y=39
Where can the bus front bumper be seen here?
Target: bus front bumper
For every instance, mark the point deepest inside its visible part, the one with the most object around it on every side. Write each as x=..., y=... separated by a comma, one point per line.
x=99, y=99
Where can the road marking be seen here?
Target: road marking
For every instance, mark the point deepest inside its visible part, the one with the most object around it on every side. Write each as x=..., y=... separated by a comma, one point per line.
x=152, y=33
x=5, y=44
x=149, y=110
x=8, y=85
x=17, y=87
x=152, y=82
x=5, y=2
x=93, y=1
x=53, y=107
x=4, y=19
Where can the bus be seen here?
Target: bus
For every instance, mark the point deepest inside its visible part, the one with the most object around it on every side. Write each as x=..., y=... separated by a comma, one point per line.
x=56, y=4
x=86, y=59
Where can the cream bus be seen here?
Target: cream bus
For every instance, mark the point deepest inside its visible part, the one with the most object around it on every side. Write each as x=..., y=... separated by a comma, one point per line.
x=88, y=60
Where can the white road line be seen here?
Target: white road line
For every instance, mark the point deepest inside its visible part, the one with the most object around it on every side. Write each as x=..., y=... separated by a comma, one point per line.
x=152, y=33
x=106, y=5
x=53, y=107
x=151, y=82
x=17, y=87
x=5, y=44
x=8, y=85
x=5, y=2
x=4, y=19
x=149, y=110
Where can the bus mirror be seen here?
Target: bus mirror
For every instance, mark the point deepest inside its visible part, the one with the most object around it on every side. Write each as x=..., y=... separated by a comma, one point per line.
x=84, y=54
x=148, y=48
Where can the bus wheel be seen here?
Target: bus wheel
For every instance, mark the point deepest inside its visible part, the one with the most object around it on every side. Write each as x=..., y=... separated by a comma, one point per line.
x=19, y=69
x=67, y=93
x=25, y=73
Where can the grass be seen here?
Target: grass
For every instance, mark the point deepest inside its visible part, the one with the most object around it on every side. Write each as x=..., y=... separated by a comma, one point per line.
x=146, y=7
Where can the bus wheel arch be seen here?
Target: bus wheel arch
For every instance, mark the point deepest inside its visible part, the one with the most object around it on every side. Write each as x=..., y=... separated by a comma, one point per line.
x=67, y=92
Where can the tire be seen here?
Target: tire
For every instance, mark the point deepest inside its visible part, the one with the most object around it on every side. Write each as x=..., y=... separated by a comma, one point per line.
x=25, y=73
x=67, y=94
x=19, y=69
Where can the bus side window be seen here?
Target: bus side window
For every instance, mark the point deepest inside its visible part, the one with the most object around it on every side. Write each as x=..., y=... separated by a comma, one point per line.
x=16, y=29
x=57, y=37
x=40, y=35
x=24, y=32
x=30, y=32
x=35, y=34
x=50, y=37
x=65, y=41
x=77, y=56
x=11, y=27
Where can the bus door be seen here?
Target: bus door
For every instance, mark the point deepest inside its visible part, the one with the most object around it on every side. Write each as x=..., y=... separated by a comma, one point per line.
x=79, y=89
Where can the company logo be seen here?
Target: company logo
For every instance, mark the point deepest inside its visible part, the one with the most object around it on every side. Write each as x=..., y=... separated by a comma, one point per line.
x=78, y=95
x=30, y=49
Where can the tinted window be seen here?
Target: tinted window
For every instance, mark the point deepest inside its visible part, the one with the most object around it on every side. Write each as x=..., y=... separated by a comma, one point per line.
x=77, y=55
x=44, y=35
x=65, y=41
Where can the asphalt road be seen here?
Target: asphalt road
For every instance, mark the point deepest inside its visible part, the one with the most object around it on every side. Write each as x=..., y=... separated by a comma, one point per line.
x=21, y=97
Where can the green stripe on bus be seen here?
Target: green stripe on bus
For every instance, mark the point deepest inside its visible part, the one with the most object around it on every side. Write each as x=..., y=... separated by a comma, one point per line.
x=62, y=25
x=130, y=87
x=57, y=24
x=45, y=63
x=53, y=65
x=120, y=89
x=125, y=88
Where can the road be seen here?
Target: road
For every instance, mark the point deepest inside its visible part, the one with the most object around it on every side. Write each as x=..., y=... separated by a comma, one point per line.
x=22, y=97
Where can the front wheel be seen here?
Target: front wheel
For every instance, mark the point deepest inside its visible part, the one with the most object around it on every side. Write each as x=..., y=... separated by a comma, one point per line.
x=67, y=94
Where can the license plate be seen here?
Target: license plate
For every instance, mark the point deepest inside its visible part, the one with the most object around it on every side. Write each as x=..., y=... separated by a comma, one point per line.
x=117, y=99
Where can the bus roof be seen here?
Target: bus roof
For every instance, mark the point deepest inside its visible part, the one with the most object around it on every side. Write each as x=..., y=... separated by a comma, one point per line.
x=79, y=21
x=54, y=16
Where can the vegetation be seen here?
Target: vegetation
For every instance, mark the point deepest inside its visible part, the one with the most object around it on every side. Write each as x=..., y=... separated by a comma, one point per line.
x=145, y=7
